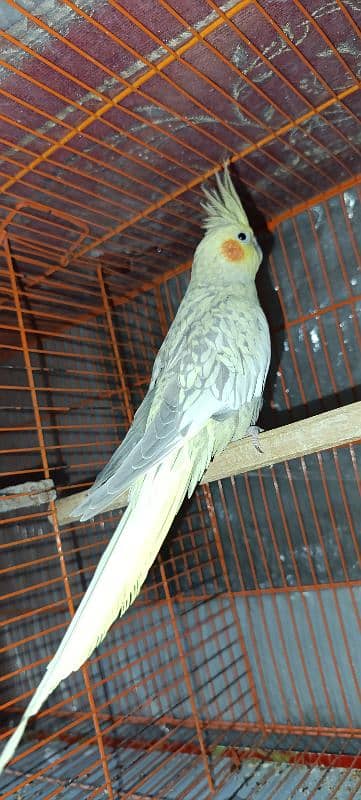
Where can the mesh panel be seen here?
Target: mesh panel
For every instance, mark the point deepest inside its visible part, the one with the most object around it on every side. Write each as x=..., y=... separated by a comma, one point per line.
x=235, y=674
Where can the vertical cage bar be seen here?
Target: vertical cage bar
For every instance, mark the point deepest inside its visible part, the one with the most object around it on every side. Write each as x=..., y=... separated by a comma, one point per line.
x=45, y=465
x=213, y=518
x=124, y=389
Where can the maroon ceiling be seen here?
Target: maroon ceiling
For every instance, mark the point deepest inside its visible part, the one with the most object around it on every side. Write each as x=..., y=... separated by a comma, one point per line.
x=113, y=114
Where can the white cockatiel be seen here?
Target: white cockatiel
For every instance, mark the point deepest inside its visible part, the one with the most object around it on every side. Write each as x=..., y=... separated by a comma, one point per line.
x=206, y=390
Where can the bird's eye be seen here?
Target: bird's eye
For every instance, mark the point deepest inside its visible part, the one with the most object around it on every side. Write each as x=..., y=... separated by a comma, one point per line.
x=244, y=237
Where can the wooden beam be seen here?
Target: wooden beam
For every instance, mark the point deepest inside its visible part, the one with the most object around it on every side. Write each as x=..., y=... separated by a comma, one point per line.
x=312, y=435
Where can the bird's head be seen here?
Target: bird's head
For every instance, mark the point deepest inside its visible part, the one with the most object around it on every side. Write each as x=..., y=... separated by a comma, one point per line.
x=229, y=250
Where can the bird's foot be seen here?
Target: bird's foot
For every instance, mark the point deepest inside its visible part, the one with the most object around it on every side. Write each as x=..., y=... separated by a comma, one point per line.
x=254, y=431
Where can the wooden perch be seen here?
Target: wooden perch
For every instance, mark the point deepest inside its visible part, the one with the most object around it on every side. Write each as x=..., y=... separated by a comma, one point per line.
x=331, y=429
x=25, y=495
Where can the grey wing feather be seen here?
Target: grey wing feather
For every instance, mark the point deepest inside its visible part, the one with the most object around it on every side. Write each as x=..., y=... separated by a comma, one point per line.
x=166, y=431
x=199, y=373
x=133, y=436
x=136, y=430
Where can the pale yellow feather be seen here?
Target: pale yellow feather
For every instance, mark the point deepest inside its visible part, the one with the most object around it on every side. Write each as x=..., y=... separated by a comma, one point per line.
x=223, y=207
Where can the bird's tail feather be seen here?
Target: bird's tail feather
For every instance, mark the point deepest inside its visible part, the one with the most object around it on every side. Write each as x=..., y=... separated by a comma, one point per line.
x=118, y=578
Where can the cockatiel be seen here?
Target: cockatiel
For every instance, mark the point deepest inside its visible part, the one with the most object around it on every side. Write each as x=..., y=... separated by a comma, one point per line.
x=206, y=390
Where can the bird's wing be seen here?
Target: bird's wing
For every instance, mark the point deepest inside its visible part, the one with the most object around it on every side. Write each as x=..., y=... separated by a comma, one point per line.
x=139, y=424
x=206, y=373
x=133, y=436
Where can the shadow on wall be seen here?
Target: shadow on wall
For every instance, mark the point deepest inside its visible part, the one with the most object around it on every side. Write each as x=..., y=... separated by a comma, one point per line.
x=275, y=414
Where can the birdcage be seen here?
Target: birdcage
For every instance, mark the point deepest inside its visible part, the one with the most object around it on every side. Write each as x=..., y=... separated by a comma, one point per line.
x=236, y=673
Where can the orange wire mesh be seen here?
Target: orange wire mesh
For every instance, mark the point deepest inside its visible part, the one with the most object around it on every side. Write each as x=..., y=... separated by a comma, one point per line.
x=223, y=648
x=239, y=660
x=131, y=110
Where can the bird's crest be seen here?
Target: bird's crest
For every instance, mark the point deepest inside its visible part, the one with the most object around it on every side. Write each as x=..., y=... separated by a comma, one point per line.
x=223, y=206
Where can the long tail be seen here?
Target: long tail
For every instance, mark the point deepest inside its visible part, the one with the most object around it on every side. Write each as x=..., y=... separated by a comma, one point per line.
x=118, y=578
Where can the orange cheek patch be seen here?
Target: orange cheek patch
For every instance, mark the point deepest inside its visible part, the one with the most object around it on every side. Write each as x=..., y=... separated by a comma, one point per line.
x=232, y=250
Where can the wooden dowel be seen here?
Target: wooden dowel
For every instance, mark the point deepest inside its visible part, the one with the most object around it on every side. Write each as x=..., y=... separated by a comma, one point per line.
x=312, y=435
x=66, y=505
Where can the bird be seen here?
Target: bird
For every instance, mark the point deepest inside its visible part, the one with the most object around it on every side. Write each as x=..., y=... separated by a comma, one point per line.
x=205, y=391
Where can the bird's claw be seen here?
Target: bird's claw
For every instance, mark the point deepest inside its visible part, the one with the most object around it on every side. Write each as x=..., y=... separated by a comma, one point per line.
x=254, y=431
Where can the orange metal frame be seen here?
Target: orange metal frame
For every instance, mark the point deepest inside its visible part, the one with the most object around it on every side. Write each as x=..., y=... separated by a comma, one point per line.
x=173, y=56
x=61, y=303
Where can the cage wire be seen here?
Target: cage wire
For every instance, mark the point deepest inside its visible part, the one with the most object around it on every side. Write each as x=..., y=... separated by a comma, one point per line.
x=236, y=673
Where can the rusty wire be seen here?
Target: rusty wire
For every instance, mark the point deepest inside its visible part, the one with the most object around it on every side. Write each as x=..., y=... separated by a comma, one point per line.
x=101, y=170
